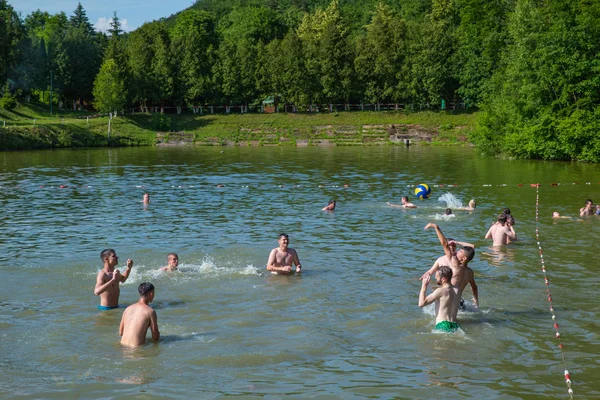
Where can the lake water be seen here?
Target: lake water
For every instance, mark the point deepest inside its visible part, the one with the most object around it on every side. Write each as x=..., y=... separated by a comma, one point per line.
x=348, y=328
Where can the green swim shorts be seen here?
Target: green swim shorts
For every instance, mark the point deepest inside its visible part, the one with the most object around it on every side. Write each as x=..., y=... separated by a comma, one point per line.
x=447, y=326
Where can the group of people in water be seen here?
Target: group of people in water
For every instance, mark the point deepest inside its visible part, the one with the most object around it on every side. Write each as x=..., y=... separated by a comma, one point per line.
x=451, y=273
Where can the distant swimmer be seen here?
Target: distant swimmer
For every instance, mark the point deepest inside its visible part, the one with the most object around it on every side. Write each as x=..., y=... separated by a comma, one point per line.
x=555, y=214
x=588, y=209
x=146, y=198
x=501, y=232
x=457, y=261
x=471, y=207
x=330, y=206
x=172, y=263
x=448, y=211
x=446, y=300
x=283, y=258
x=405, y=203
x=138, y=317
x=109, y=278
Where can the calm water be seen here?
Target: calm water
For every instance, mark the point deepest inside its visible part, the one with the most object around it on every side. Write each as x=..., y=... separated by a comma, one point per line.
x=349, y=327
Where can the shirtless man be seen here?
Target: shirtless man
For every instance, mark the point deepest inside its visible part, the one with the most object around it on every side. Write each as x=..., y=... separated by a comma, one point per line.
x=146, y=198
x=588, y=209
x=282, y=257
x=462, y=274
x=109, y=278
x=138, y=317
x=405, y=203
x=330, y=206
x=501, y=232
x=172, y=263
x=446, y=300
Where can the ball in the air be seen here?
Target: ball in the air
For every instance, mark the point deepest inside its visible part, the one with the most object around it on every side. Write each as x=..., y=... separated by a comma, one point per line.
x=422, y=191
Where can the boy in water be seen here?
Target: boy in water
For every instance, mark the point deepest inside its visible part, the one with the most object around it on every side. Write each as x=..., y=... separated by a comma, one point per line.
x=405, y=203
x=109, y=278
x=446, y=300
x=282, y=258
x=138, y=317
x=330, y=206
x=588, y=209
x=501, y=232
x=172, y=263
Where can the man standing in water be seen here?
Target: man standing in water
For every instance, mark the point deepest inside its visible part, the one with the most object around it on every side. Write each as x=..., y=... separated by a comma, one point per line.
x=462, y=275
x=501, y=232
x=138, y=317
x=109, y=278
x=282, y=257
x=446, y=300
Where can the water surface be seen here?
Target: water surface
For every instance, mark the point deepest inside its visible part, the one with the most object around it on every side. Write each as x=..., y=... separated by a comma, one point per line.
x=349, y=327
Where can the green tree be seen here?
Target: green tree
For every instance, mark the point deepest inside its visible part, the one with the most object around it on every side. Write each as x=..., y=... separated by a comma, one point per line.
x=110, y=93
x=193, y=43
x=380, y=55
x=11, y=33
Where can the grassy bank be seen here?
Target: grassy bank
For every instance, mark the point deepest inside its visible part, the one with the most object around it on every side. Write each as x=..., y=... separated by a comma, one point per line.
x=30, y=126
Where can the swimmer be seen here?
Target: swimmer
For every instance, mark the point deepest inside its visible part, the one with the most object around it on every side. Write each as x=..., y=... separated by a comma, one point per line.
x=138, y=317
x=555, y=214
x=588, y=209
x=172, y=263
x=471, y=207
x=282, y=258
x=457, y=261
x=146, y=198
x=405, y=203
x=109, y=278
x=330, y=206
x=501, y=232
x=448, y=211
x=446, y=300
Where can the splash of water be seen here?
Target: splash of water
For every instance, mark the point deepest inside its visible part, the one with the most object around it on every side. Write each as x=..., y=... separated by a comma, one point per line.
x=450, y=200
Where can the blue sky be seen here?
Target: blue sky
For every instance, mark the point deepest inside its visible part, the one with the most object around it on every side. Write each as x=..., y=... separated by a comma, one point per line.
x=131, y=13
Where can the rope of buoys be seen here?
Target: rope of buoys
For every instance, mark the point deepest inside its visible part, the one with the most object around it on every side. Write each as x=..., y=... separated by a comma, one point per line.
x=320, y=185
x=548, y=292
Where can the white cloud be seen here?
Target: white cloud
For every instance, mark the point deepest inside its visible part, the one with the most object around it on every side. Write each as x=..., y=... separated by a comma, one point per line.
x=103, y=24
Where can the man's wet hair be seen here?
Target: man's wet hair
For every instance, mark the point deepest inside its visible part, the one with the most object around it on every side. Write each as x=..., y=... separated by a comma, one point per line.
x=506, y=211
x=589, y=201
x=502, y=218
x=145, y=288
x=283, y=235
x=332, y=201
x=172, y=254
x=469, y=252
x=105, y=253
x=405, y=198
x=445, y=272
x=448, y=211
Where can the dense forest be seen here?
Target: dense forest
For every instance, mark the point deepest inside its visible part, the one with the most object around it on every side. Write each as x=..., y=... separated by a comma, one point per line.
x=532, y=67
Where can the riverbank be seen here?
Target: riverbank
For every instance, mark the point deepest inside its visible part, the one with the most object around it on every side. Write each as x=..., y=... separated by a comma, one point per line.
x=32, y=127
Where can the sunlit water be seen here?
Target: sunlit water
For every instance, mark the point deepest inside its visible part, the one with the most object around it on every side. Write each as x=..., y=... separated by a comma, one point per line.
x=349, y=327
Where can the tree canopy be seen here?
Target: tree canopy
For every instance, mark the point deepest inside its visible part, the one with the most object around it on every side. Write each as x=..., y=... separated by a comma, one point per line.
x=531, y=67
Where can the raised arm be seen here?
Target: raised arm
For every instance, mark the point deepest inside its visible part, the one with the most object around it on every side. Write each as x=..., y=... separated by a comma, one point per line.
x=426, y=300
x=442, y=238
x=125, y=275
x=464, y=244
x=431, y=270
x=394, y=205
